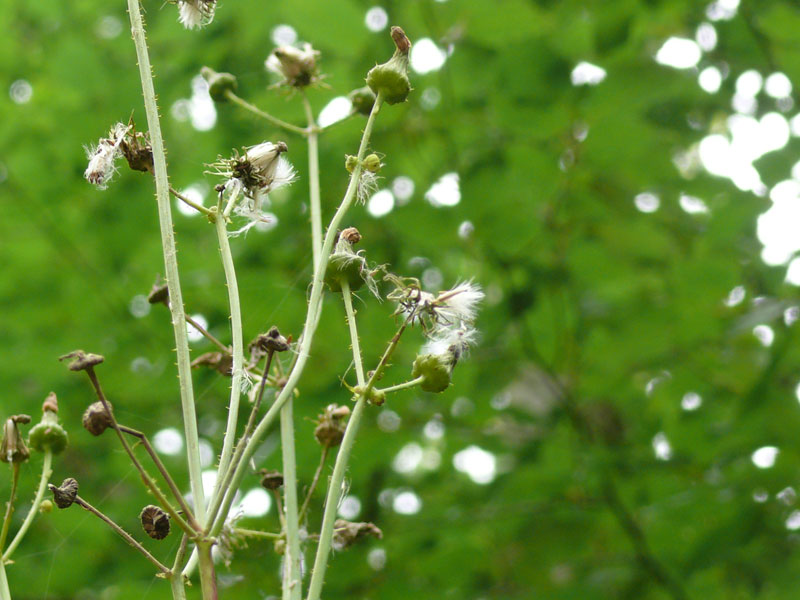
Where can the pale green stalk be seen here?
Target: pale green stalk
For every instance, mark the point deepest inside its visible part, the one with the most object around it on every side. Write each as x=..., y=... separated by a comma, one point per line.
x=10, y=506
x=342, y=458
x=292, y=582
x=238, y=345
x=257, y=111
x=314, y=308
x=170, y=261
x=176, y=577
x=313, y=181
x=47, y=471
x=404, y=385
x=5, y=592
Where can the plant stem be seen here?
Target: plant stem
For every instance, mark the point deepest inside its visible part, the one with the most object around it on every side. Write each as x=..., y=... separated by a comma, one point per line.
x=176, y=577
x=170, y=261
x=161, y=469
x=314, y=308
x=5, y=592
x=208, y=578
x=236, y=337
x=313, y=181
x=47, y=471
x=292, y=583
x=123, y=534
x=148, y=481
x=257, y=111
x=192, y=203
x=402, y=386
x=342, y=457
x=10, y=506
x=314, y=482
x=257, y=534
x=204, y=332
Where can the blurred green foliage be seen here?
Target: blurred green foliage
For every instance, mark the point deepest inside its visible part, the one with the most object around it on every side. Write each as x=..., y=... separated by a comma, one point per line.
x=599, y=318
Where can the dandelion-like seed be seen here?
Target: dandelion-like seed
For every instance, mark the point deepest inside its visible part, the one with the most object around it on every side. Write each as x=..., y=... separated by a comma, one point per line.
x=194, y=14
x=297, y=66
x=103, y=156
x=453, y=340
x=367, y=185
x=450, y=307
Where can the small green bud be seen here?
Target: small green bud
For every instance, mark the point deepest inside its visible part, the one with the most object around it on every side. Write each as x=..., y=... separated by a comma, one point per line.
x=46, y=507
x=372, y=163
x=362, y=100
x=436, y=371
x=218, y=83
x=350, y=163
x=48, y=434
x=390, y=79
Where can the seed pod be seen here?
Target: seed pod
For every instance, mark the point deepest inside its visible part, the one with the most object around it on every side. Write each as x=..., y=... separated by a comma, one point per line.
x=436, y=371
x=65, y=494
x=271, y=480
x=155, y=522
x=97, y=419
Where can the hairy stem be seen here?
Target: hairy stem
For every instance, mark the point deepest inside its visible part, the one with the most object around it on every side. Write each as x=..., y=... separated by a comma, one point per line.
x=314, y=483
x=257, y=111
x=47, y=471
x=342, y=458
x=314, y=308
x=238, y=344
x=292, y=583
x=170, y=260
x=123, y=534
x=313, y=181
x=176, y=581
x=205, y=333
x=208, y=578
x=404, y=385
x=257, y=534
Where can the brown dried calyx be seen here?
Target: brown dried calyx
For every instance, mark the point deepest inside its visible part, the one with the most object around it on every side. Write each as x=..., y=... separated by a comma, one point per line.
x=155, y=522
x=219, y=361
x=272, y=341
x=159, y=293
x=65, y=494
x=331, y=425
x=351, y=234
x=271, y=480
x=97, y=419
x=82, y=361
x=12, y=447
x=345, y=533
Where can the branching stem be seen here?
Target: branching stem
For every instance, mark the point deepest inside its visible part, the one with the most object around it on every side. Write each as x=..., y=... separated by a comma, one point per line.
x=47, y=471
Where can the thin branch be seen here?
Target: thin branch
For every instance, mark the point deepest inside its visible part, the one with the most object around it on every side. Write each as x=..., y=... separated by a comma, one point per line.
x=314, y=482
x=257, y=111
x=10, y=505
x=47, y=471
x=189, y=202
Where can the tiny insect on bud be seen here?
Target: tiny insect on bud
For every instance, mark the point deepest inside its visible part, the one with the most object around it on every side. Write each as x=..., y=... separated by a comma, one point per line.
x=65, y=494
x=96, y=419
x=155, y=522
x=82, y=361
x=271, y=480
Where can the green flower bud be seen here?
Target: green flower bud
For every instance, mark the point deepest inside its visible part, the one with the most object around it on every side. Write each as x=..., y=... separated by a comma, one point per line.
x=372, y=163
x=362, y=100
x=46, y=507
x=48, y=434
x=218, y=83
x=350, y=163
x=390, y=79
x=436, y=371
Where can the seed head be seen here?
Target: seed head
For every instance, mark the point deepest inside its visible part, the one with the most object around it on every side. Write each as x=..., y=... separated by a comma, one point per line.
x=297, y=66
x=65, y=494
x=96, y=419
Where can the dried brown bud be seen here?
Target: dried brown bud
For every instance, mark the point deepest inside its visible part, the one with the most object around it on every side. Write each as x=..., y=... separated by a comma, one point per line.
x=97, y=419
x=12, y=447
x=271, y=480
x=400, y=39
x=50, y=403
x=345, y=533
x=65, y=494
x=82, y=361
x=222, y=363
x=155, y=522
x=272, y=341
x=330, y=425
x=159, y=294
x=138, y=152
x=351, y=234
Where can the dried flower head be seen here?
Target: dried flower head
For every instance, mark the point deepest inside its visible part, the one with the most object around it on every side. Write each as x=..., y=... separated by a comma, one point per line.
x=155, y=522
x=219, y=361
x=96, y=419
x=65, y=494
x=346, y=533
x=297, y=66
x=159, y=293
x=137, y=151
x=82, y=361
x=12, y=447
x=193, y=14
x=271, y=480
x=272, y=341
x=450, y=307
x=103, y=156
x=331, y=425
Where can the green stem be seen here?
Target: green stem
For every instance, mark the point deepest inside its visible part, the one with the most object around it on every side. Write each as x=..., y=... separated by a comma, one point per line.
x=257, y=534
x=170, y=261
x=208, y=578
x=10, y=506
x=189, y=202
x=206, y=334
x=342, y=458
x=47, y=471
x=292, y=582
x=402, y=386
x=5, y=592
x=257, y=111
x=314, y=308
x=176, y=581
x=314, y=482
x=313, y=181
x=238, y=345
